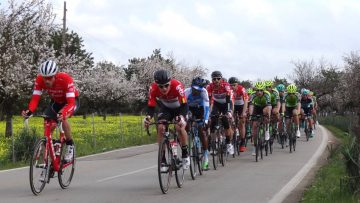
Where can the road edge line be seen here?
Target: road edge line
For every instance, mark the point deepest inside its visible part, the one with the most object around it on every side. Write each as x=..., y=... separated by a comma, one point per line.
x=291, y=185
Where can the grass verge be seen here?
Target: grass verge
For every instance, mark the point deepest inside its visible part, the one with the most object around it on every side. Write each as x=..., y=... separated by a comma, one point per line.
x=326, y=186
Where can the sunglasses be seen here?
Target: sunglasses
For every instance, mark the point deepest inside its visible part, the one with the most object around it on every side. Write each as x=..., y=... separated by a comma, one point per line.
x=233, y=85
x=259, y=90
x=163, y=86
x=216, y=79
x=268, y=87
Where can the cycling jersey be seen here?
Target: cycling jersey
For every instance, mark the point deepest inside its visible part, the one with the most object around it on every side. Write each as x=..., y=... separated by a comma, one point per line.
x=240, y=95
x=219, y=93
x=306, y=103
x=201, y=100
x=261, y=101
x=292, y=100
x=174, y=99
x=274, y=97
x=62, y=91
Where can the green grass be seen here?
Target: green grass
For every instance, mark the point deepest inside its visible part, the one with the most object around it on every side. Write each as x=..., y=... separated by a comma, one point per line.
x=326, y=186
x=91, y=135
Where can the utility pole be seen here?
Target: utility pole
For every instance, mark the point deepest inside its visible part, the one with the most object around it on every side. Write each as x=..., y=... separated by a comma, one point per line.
x=64, y=29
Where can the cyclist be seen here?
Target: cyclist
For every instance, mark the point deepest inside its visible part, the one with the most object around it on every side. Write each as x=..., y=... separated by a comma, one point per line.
x=275, y=102
x=64, y=99
x=315, y=109
x=307, y=109
x=249, y=92
x=292, y=106
x=198, y=102
x=220, y=96
x=281, y=89
x=240, y=107
x=169, y=93
x=260, y=104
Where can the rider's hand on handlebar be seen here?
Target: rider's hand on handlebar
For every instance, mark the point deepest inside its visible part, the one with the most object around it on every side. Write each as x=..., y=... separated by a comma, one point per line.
x=60, y=117
x=181, y=120
x=229, y=114
x=26, y=114
x=147, y=121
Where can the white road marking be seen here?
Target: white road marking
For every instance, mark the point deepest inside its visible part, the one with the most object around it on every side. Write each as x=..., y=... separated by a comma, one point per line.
x=125, y=174
x=291, y=185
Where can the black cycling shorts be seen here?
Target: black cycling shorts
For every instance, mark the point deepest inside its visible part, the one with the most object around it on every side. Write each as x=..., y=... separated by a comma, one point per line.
x=53, y=109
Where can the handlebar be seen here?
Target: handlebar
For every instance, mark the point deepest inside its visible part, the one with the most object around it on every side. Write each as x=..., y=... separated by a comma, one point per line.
x=159, y=122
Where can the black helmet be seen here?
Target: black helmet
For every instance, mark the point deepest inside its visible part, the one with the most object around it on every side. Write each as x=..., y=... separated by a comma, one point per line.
x=233, y=80
x=216, y=74
x=162, y=76
x=199, y=82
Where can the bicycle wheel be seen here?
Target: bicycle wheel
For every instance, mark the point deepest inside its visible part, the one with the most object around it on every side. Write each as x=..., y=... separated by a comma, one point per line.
x=165, y=165
x=66, y=170
x=178, y=167
x=193, y=156
x=39, y=169
x=307, y=131
x=214, y=153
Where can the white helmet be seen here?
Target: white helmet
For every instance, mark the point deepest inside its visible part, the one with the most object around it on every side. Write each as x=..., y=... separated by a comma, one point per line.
x=48, y=68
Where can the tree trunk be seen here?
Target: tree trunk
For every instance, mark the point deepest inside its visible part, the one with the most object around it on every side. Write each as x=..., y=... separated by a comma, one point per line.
x=9, y=126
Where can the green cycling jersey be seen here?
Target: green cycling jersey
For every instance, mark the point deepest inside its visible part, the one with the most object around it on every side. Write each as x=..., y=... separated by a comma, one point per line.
x=292, y=100
x=274, y=97
x=262, y=101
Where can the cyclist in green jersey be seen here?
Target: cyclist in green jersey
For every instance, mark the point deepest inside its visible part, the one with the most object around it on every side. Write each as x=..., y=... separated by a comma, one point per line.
x=275, y=101
x=292, y=106
x=260, y=104
x=315, y=109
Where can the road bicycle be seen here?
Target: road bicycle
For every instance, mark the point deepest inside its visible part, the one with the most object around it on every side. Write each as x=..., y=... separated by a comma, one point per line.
x=259, y=140
x=195, y=148
x=168, y=159
x=291, y=134
x=48, y=158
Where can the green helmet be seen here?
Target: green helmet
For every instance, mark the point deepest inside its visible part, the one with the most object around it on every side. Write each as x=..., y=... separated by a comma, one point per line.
x=291, y=88
x=268, y=83
x=280, y=87
x=259, y=85
x=250, y=91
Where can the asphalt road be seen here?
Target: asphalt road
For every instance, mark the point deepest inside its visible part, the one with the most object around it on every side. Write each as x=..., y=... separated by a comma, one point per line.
x=130, y=175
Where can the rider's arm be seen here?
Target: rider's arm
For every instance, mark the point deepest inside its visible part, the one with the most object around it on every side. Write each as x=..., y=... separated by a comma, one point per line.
x=228, y=97
x=38, y=87
x=205, y=97
x=70, y=98
x=151, y=101
x=245, y=98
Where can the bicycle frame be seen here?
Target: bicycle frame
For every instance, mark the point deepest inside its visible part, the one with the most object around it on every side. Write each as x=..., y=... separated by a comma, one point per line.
x=49, y=125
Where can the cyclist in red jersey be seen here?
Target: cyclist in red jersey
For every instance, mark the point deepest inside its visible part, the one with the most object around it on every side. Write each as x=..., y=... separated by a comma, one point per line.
x=173, y=105
x=220, y=96
x=240, y=106
x=64, y=99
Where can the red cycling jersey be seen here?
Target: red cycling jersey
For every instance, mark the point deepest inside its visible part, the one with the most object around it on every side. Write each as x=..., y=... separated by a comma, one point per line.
x=173, y=99
x=62, y=91
x=240, y=95
x=219, y=93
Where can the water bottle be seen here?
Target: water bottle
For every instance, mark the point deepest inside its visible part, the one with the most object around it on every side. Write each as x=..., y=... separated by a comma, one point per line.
x=173, y=145
x=57, y=147
x=237, y=132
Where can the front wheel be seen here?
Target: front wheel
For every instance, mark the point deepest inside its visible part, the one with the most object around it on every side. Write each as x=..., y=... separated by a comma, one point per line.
x=165, y=165
x=39, y=169
x=66, y=170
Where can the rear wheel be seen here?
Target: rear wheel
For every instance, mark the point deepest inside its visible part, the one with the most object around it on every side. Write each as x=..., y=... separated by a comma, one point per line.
x=39, y=169
x=193, y=156
x=66, y=171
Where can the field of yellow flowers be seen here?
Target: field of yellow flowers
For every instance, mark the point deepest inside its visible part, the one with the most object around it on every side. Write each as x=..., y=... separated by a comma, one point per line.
x=91, y=135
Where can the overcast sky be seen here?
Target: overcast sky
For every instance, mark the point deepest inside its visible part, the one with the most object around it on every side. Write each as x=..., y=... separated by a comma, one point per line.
x=249, y=39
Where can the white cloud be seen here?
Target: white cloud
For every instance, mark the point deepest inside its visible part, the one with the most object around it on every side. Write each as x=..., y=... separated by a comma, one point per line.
x=173, y=26
x=205, y=11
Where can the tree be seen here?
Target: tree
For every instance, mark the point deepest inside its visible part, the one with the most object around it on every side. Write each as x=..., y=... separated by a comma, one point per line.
x=24, y=33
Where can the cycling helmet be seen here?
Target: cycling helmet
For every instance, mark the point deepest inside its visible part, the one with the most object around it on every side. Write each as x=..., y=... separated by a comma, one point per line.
x=233, y=80
x=311, y=93
x=268, y=83
x=216, y=74
x=306, y=92
x=198, y=83
x=48, y=68
x=250, y=91
x=280, y=87
x=291, y=88
x=259, y=85
x=162, y=76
